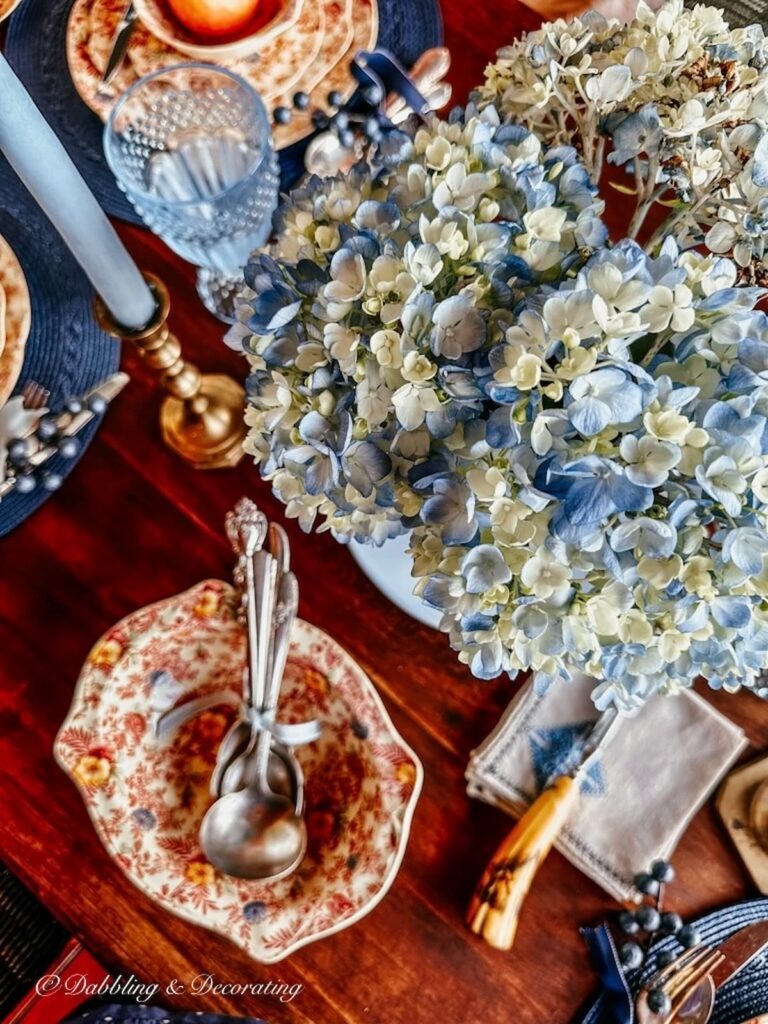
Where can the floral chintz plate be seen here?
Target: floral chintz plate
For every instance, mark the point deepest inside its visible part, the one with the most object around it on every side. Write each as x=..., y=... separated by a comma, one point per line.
x=146, y=798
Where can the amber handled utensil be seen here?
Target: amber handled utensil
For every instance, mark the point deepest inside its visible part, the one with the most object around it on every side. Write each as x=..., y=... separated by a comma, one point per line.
x=495, y=907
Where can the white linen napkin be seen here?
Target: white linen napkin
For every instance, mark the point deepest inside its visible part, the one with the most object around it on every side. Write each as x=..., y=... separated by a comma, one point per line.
x=638, y=797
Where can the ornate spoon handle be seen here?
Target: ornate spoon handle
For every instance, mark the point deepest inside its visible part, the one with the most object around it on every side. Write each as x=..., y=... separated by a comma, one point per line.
x=285, y=616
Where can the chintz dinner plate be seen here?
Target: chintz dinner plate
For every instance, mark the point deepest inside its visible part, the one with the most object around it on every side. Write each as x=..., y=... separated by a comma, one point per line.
x=146, y=799
x=359, y=26
x=16, y=311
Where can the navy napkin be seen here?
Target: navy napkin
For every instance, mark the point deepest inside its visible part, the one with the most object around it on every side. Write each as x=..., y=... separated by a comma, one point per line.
x=615, y=998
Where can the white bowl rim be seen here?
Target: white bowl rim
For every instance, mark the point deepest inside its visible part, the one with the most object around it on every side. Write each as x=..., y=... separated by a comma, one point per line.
x=234, y=48
x=8, y=11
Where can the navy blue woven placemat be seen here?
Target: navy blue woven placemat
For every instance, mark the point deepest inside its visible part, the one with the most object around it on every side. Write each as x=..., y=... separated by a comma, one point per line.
x=117, y=1014
x=66, y=352
x=746, y=995
x=36, y=49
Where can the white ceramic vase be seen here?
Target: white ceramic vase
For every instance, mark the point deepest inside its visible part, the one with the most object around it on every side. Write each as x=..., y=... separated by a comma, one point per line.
x=389, y=569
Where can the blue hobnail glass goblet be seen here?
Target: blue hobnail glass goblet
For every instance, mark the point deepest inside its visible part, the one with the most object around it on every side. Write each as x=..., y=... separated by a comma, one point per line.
x=191, y=147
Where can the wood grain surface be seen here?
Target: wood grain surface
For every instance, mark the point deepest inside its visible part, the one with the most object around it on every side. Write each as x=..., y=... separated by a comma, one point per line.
x=133, y=525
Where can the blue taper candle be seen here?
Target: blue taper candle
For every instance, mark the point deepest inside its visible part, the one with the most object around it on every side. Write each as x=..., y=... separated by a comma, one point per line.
x=34, y=151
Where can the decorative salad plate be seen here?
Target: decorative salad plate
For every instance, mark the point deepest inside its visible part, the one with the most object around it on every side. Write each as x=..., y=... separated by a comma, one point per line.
x=146, y=798
x=316, y=51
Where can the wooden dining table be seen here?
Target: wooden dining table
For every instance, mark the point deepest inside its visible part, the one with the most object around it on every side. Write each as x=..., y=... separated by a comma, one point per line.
x=133, y=524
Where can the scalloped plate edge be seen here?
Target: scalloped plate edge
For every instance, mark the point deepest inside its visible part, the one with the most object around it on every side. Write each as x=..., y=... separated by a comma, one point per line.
x=400, y=820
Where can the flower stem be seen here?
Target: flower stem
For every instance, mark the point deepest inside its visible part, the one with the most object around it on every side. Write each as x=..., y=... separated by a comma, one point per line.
x=673, y=221
x=654, y=350
x=647, y=194
x=597, y=173
x=638, y=218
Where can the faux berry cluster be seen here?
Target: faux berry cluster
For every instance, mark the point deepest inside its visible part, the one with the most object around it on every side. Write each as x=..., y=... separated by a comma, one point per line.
x=649, y=921
x=362, y=118
x=49, y=435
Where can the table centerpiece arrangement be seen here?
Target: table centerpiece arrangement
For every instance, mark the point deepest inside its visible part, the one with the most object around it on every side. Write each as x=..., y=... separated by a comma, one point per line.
x=573, y=428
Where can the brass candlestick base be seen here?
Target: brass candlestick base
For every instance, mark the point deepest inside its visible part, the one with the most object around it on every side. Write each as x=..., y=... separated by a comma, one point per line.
x=202, y=417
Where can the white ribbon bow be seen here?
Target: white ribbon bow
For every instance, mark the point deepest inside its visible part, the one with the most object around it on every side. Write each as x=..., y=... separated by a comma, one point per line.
x=170, y=716
x=290, y=735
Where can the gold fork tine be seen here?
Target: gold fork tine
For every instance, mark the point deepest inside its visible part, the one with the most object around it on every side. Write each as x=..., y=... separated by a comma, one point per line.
x=681, y=985
x=701, y=956
x=686, y=960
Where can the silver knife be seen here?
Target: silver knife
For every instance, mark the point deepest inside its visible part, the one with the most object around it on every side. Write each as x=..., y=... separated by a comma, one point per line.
x=120, y=41
x=740, y=950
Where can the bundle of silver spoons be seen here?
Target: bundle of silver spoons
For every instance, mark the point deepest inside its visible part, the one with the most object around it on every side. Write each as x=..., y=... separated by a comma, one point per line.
x=255, y=826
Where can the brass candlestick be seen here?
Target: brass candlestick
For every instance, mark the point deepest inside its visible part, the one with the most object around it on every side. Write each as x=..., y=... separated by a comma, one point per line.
x=201, y=419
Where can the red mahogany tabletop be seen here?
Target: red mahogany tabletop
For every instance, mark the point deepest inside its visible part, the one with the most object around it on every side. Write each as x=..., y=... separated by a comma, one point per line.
x=133, y=525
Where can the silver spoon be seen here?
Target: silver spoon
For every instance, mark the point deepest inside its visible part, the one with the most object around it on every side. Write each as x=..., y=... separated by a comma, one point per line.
x=247, y=529
x=291, y=782
x=261, y=583
x=280, y=549
x=279, y=546
x=245, y=526
x=256, y=833
x=285, y=616
x=234, y=743
x=284, y=774
x=239, y=744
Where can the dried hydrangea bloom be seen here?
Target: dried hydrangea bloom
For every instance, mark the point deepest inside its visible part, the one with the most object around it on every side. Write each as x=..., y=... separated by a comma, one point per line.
x=675, y=97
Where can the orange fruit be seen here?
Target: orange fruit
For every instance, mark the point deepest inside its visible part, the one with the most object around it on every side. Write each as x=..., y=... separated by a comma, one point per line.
x=212, y=19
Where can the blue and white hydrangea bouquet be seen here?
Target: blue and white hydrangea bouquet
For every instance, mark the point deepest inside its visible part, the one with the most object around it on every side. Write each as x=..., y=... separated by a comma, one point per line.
x=609, y=515
x=367, y=321
x=575, y=432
